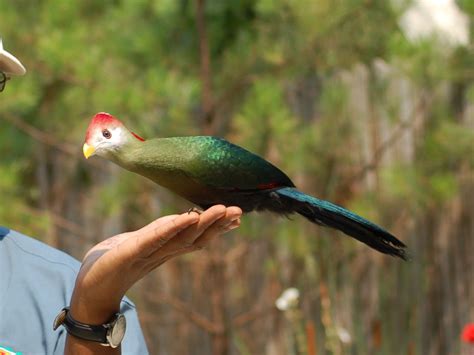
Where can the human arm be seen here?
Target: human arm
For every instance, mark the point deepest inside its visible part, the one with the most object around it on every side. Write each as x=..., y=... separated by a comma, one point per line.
x=111, y=267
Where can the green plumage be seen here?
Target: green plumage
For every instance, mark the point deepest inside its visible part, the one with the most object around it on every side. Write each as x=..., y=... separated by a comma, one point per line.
x=200, y=168
x=208, y=170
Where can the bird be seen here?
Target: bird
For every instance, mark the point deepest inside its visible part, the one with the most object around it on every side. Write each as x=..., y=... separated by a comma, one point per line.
x=208, y=170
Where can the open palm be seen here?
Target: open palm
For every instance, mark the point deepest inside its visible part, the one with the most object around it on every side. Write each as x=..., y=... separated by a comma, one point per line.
x=111, y=267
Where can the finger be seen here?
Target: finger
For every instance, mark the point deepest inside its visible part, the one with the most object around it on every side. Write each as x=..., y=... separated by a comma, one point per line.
x=210, y=226
x=214, y=232
x=233, y=212
x=231, y=221
x=211, y=221
x=157, y=223
x=166, y=253
x=187, y=237
x=183, y=242
x=154, y=238
x=234, y=224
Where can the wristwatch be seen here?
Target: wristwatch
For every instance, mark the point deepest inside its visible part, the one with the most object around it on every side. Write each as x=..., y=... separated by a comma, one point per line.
x=108, y=334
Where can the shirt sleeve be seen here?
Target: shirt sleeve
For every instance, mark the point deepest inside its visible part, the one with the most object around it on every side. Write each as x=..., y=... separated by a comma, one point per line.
x=133, y=342
x=36, y=282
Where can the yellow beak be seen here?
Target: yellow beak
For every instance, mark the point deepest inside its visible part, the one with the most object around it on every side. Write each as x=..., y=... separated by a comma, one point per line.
x=88, y=150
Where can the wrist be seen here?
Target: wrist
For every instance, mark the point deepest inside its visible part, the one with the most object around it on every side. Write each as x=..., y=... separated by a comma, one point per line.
x=91, y=311
x=109, y=334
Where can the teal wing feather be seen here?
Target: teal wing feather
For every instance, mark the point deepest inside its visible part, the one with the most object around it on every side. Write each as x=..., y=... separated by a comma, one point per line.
x=220, y=164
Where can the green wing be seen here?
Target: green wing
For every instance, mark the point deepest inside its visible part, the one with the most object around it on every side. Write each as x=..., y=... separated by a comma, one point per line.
x=218, y=163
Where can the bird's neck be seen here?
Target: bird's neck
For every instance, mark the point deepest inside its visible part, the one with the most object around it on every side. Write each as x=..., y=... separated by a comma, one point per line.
x=162, y=160
x=123, y=155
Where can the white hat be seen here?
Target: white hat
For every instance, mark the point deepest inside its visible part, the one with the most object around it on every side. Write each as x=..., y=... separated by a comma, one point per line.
x=9, y=64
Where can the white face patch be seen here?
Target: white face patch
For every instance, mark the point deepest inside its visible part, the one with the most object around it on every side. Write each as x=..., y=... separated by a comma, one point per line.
x=107, y=140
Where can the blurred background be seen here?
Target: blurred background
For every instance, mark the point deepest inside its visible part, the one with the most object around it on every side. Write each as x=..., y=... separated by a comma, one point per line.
x=369, y=104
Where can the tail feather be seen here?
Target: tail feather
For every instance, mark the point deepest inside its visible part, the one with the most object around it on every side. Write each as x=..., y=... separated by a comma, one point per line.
x=328, y=214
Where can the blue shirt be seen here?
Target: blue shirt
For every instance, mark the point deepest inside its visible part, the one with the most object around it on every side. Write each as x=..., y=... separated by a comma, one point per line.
x=36, y=282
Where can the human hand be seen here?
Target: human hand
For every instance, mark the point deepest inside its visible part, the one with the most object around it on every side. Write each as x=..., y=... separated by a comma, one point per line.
x=114, y=265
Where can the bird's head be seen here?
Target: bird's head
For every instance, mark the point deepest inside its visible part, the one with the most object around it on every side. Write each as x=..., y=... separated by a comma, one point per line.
x=106, y=135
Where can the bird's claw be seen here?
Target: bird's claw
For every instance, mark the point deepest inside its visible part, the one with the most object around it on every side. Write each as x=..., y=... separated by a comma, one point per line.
x=195, y=209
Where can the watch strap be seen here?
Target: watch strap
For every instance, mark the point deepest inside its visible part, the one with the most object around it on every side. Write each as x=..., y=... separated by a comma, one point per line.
x=96, y=333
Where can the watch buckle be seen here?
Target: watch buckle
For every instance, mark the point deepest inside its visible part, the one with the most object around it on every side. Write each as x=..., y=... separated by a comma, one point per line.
x=60, y=318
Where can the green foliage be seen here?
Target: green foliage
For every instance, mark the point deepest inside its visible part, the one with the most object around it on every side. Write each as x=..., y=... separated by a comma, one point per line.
x=13, y=210
x=449, y=146
x=264, y=116
x=402, y=181
x=286, y=83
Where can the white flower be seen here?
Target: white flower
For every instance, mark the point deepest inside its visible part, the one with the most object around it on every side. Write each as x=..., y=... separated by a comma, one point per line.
x=288, y=299
x=344, y=335
x=281, y=304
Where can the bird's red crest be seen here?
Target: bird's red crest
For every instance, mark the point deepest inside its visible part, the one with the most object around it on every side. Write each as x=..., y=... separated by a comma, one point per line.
x=100, y=121
x=104, y=120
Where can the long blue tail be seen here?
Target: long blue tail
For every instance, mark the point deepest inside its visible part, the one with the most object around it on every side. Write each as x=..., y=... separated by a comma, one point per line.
x=328, y=214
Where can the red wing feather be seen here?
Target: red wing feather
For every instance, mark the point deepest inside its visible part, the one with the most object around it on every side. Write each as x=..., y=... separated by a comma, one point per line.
x=138, y=137
x=269, y=186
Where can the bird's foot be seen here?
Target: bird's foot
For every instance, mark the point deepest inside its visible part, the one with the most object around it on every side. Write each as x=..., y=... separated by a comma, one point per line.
x=196, y=209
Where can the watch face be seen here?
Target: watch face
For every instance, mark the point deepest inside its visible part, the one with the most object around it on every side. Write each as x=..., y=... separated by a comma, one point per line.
x=117, y=332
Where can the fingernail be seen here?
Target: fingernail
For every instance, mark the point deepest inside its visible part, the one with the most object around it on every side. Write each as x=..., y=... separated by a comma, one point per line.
x=225, y=226
x=230, y=227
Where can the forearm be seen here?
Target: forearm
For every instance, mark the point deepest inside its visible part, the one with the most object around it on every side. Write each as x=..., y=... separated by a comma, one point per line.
x=89, y=314
x=116, y=264
x=83, y=347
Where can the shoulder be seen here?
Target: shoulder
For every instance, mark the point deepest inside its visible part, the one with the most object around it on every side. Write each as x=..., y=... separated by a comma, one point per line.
x=36, y=282
x=30, y=250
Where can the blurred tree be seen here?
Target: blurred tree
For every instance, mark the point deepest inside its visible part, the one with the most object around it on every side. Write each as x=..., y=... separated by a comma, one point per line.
x=331, y=91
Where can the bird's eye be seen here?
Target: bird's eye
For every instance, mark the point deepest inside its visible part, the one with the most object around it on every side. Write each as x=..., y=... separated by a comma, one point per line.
x=106, y=133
